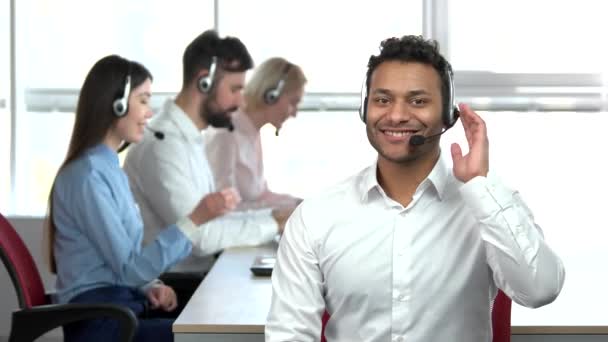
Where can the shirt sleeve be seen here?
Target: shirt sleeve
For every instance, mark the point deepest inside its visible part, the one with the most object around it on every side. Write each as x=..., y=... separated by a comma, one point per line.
x=162, y=171
x=250, y=228
x=276, y=200
x=222, y=153
x=97, y=211
x=524, y=266
x=297, y=287
x=167, y=182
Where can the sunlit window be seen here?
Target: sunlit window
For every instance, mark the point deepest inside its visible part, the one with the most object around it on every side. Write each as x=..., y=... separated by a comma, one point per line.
x=520, y=36
x=5, y=114
x=331, y=40
x=55, y=54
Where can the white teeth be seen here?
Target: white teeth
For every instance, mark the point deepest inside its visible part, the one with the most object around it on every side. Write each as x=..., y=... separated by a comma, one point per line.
x=397, y=134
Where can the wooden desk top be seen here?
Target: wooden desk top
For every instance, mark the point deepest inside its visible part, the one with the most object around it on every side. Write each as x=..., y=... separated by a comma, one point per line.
x=230, y=299
x=559, y=330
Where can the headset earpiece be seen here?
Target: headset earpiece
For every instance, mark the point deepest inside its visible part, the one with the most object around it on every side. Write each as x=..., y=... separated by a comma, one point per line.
x=205, y=83
x=363, y=104
x=451, y=113
x=121, y=104
x=272, y=95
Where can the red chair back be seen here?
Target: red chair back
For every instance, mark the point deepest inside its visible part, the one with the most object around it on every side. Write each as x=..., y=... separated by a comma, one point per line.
x=501, y=319
x=323, y=324
x=21, y=267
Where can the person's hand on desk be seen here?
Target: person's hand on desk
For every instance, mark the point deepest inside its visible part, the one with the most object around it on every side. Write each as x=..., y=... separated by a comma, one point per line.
x=281, y=215
x=162, y=297
x=215, y=204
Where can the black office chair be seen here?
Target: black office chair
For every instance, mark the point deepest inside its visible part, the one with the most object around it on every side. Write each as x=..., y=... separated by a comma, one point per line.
x=36, y=314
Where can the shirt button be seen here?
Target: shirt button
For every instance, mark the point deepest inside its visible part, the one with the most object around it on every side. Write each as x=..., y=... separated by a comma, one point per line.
x=401, y=297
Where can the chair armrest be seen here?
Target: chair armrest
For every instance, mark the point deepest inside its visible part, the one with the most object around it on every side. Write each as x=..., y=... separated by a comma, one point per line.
x=49, y=295
x=29, y=324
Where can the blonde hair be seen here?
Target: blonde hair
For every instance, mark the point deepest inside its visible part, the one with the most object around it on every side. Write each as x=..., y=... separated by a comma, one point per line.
x=267, y=75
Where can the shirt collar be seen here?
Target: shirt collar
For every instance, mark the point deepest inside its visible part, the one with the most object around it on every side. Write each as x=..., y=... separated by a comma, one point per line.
x=105, y=152
x=182, y=121
x=438, y=177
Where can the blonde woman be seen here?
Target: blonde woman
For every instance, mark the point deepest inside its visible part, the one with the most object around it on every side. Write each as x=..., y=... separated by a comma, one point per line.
x=271, y=96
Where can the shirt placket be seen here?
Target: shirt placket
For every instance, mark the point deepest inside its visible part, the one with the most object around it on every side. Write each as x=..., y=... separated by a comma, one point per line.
x=402, y=258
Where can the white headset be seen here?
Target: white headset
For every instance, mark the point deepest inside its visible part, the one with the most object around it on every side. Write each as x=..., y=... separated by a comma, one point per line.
x=272, y=95
x=205, y=83
x=121, y=104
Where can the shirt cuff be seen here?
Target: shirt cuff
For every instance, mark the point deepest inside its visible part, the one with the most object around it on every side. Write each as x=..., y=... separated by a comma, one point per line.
x=486, y=196
x=188, y=228
x=154, y=283
x=269, y=226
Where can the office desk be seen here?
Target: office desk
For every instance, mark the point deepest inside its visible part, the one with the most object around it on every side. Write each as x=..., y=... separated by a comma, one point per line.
x=231, y=304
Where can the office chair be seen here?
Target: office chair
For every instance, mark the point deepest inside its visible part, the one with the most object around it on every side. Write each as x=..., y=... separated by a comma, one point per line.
x=36, y=315
x=501, y=319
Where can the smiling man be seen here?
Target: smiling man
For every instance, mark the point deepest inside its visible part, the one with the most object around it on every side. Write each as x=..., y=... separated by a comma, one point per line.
x=410, y=249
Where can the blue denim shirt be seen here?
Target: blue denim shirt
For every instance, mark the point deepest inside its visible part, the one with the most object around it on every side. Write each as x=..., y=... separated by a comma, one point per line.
x=98, y=241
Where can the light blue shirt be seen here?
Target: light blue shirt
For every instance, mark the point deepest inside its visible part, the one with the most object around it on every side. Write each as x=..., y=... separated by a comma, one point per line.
x=98, y=241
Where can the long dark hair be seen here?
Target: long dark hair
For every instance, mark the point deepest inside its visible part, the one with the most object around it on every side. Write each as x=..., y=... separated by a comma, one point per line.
x=104, y=83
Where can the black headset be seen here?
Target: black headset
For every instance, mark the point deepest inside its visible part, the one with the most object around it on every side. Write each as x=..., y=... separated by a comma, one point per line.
x=121, y=104
x=450, y=112
x=205, y=83
x=272, y=95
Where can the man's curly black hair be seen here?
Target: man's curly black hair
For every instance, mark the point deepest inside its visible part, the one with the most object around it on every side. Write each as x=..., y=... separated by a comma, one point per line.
x=412, y=48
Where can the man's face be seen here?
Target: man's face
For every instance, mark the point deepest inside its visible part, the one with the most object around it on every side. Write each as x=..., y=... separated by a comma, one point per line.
x=404, y=99
x=224, y=99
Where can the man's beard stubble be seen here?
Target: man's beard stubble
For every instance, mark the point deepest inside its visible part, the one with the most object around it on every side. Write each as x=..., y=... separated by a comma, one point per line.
x=215, y=117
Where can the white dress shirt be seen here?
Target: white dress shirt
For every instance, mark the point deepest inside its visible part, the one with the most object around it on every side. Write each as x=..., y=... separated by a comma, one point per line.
x=236, y=161
x=427, y=272
x=170, y=176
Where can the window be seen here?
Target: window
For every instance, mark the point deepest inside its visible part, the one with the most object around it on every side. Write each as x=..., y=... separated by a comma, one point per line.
x=5, y=113
x=333, y=53
x=151, y=32
x=528, y=55
x=154, y=33
x=520, y=36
